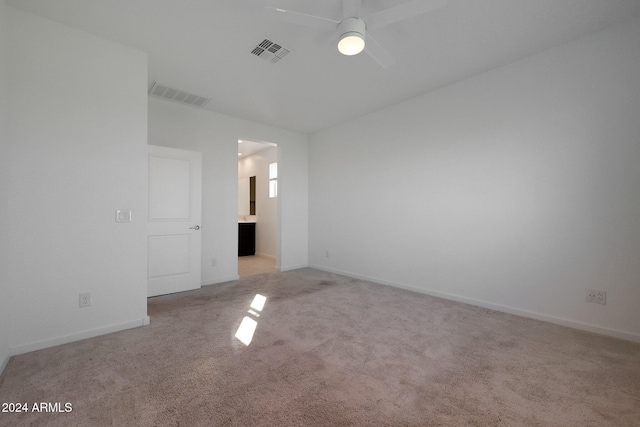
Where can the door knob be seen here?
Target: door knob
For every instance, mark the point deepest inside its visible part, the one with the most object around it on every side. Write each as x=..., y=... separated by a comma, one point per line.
x=197, y=227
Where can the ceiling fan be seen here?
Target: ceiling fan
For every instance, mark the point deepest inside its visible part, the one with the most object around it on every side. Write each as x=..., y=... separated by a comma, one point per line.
x=352, y=30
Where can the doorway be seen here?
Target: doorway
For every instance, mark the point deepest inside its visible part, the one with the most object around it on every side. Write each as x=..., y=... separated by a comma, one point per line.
x=258, y=215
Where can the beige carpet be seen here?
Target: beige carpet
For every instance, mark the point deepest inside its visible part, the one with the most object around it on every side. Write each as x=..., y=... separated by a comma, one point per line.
x=330, y=350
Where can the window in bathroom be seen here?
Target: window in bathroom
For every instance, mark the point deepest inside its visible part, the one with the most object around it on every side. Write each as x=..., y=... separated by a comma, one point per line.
x=273, y=180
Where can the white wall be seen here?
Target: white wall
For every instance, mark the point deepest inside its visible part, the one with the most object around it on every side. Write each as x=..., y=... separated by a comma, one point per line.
x=216, y=137
x=5, y=299
x=266, y=208
x=518, y=189
x=78, y=152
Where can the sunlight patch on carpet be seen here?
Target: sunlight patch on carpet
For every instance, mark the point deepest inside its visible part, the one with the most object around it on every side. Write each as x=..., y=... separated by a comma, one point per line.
x=246, y=330
x=258, y=302
x=248, y=325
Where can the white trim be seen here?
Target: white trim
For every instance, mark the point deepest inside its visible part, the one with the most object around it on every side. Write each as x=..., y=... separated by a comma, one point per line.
x=4, y=363
x=40, y=345
x=629, y=336
x=294, y=267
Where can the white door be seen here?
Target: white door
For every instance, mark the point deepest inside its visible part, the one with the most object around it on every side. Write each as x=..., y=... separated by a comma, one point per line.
x=173, y=232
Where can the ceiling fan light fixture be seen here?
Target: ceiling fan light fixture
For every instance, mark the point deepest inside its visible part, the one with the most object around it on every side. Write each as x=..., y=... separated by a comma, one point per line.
x=351, y=44
x=352, y=36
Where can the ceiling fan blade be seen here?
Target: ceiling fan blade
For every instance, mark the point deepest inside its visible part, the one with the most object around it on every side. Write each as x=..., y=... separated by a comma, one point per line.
x=300, y=18
x=378, y=53
x=350, y=9
x=404, y=11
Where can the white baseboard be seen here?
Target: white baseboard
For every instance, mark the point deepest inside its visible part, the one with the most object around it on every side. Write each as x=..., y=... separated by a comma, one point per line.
x=629, y=336
x=4, y=362
x=293, y=267
x=40, y=345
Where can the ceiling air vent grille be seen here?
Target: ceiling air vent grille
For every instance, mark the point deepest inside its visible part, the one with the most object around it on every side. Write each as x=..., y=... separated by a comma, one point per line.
x=166, y=92
x=270, y=51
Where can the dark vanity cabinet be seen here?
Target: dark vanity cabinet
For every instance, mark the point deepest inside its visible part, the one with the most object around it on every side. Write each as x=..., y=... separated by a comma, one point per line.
x=246, y=238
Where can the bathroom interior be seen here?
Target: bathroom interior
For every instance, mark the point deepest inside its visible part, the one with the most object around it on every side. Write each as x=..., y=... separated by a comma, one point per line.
x=257, y=207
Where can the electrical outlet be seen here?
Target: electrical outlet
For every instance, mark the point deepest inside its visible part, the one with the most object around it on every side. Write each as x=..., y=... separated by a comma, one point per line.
x=85, y=300
x=599, y=297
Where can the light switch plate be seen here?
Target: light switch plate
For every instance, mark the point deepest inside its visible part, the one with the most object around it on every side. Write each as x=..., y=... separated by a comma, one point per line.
x=123, y=215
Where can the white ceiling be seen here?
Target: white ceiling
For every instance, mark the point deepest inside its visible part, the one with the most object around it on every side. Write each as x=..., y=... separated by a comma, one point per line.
x=203, y=47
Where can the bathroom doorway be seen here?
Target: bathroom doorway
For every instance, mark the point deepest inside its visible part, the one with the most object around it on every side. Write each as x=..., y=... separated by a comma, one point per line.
x=257, y=207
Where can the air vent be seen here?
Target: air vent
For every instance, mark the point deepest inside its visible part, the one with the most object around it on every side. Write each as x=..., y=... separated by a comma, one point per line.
x=166, y=92
x=270, y=51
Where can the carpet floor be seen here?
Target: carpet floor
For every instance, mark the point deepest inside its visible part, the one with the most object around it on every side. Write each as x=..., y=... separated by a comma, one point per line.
x=328, y=350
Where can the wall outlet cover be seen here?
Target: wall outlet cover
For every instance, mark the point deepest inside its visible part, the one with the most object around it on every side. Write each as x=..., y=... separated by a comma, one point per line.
x=599, y=297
